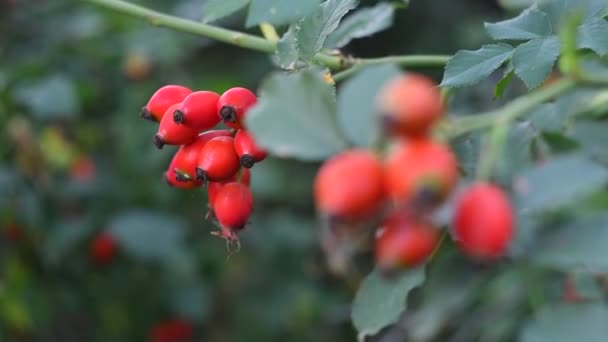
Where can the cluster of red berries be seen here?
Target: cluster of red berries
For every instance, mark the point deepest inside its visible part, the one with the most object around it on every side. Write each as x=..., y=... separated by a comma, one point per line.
x=218, y=159
x=403, y=189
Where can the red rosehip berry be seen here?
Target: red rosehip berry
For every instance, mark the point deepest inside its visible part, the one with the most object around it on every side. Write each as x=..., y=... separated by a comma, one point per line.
x=198, y=111
x=162, y=99
x=349, y=185
x=403, y=241
x=233, y=206
x=483, y=222
x=12, y=232
x=247, y=149
x=233, y=106
x=83, y=170
x=103, y=249
x=218, y=160
x=186, y=158
x=213, y=188
x=176, y=330
x=420, y=172
x=409, y=105
x=172, y=133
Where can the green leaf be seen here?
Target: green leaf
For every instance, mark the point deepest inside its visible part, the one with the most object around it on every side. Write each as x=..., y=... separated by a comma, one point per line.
x=217, y=9
x=148, y=235
x=516, y=4
x=53, y=97
x=530, y=24
x=517, y=152
x=357, y=100
x=581, y=243
x=559, y=10
x=593, y=35
x=593, y=138
x=365, y=22
x=316, y=27
x=295, y=117
x=501, y=86
x=534, y=60
x=469, y=67
x=279, y=12
x=64, y=237
x=567, y=323
x=287, y=50
x=380, y=301
x=559, y=182
x=548, y=118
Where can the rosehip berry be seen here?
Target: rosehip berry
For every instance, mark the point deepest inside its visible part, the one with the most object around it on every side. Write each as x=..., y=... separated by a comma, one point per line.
x=349, y=185
x=176, y=330
x=213, y=188
x=233, y=205
x=218, y=160
x=172, y=133
x=233, y=106
x=404, y=242
x=162, y=99
x=409, y=105
x=198, y=111
x=103, y=249
x=247, y=149
x=421, y=172
x=12, y=232
x=483, y=221
x=83, y=170
x=186, y=158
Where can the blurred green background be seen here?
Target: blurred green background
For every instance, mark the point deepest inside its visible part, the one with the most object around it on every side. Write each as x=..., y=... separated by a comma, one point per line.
x=76, y=160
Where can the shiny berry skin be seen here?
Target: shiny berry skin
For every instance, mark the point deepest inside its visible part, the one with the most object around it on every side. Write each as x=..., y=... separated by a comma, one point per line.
x=162, y=99
x=218, y=160
x=233, y=205
x=349, y=185
x=176, y=330
x=103, y=249
x=483, y=222
x=420, y=172
x=186, y=158
x=233, y=106
x=198, y=111
x=172, y=133
x=213, y=188
x=404, y=242
x=409, y=105
x=247, y=149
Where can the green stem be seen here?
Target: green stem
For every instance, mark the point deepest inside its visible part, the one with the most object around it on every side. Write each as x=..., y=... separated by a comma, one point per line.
x=412, y=61
x=457, y=127
x=252, y=42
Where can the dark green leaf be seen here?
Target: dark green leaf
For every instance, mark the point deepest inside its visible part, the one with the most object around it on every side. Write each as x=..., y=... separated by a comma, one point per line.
x=567, y=323
x=295, y=116
x=65, y=236
x=279, y=12
x=316, y=27
x=148, y=235
x=530, y=24
x=380, y=301
x=357, y=100
x=548, y=118
x=365, y=22
x=469, y=67
x=593, y=35
x=287, y=50
x=534, y=60
x=517, y=153
x=559, y=10
x=217, y=9
x=559, y=182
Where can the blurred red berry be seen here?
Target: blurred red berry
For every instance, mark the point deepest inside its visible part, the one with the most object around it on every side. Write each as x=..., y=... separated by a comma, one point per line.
x=175, y=330
x=12, y=232
x=103, y=249
x=83, y=170
x=349, y=185
x=483, y=221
